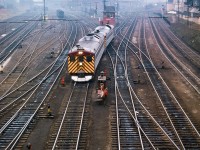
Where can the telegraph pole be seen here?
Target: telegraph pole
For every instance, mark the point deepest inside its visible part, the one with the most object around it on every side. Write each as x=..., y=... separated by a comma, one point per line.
x=44, y=11
x=188, y=14
x=104, y=4
x=96, y=8
x=178, y=10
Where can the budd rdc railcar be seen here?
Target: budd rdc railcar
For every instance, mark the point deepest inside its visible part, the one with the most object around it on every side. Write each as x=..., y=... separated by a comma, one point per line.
x=84, y=58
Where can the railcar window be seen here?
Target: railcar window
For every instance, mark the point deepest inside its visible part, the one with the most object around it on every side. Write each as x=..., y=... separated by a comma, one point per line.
x=80, y=58
x=72, y=58
x=89, y=58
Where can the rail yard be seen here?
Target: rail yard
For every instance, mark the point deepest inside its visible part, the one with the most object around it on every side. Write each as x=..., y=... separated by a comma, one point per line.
x=143, y=89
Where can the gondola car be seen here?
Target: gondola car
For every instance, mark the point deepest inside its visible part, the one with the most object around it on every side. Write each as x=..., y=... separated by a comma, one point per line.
x=60, y=13
x=84, y=58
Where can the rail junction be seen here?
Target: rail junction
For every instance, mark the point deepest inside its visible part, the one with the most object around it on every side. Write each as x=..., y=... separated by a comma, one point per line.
x=154, y=91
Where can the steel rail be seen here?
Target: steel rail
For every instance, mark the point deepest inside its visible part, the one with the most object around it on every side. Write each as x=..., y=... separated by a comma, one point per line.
x=151, y=80
x=163, y=130
x=162, y=79
x=179, y=104
x=36, y=76
x=134, y=117
x=184, y=67
x=24, y=84
x=82, y=116
x=29, y=61
x=185, y=46
x=181, y=49
x=44, y=78
x=10, y=35
x=65, y=116
x=137, y=122
x=17, y=137
x=62, y=64
x=56, y=140
x=117, y=88
x=125, y=65
x=17, y=65
x=60, y=130
x=170, y=92
x=11, y=47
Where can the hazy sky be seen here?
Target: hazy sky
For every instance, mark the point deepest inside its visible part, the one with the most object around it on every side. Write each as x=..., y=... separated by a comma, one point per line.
x=155, y=1
x=150, y=1
x=146, y=1
x=38, y=0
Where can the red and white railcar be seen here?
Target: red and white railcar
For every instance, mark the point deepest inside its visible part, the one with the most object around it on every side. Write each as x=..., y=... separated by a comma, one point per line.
x=84, y=58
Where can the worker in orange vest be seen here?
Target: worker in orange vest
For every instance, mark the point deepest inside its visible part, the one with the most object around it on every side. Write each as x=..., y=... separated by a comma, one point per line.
x=63, y=81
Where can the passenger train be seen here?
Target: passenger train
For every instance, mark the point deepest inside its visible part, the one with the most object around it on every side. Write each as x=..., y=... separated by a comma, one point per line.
x=84, y=58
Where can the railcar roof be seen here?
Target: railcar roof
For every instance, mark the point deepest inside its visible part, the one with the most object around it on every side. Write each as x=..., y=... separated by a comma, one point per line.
x=91, y=41
x=89, y=46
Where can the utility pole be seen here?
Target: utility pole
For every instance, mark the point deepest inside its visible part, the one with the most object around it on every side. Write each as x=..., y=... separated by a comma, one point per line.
x=90, y=7
x=117, y=10
x=188, y=14
x=44, y=11
x=96, y=8
x=178, y=10
x=104, y=4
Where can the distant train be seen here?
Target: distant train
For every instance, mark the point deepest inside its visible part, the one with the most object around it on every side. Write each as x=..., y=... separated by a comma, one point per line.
x=84, y=58
x=60, y=13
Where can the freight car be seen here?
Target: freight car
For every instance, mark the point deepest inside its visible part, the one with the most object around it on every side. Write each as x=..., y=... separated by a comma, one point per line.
x=60, y=13
x=84, y=58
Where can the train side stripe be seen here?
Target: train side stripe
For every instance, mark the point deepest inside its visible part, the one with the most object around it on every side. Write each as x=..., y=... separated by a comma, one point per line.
x=89, y=66
x=91, y=70
x=72, y=67
x=88, y=70
x=73, y=70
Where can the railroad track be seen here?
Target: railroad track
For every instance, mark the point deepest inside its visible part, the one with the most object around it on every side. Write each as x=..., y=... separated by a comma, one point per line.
x=14, y=127
x=11, y=24
x=177, y=115
x=15, y=77
x=173, y=109
x=185, y=71
x=129, y=113
x=179, y=45
x=71, y=40
x=128, y=133
x=9, y=46
x=18, y=88
x=169, y=134
x=68, y=127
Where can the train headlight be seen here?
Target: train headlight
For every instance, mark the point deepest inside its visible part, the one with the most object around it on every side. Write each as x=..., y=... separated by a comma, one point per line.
x=80, y=64
x=80, y=53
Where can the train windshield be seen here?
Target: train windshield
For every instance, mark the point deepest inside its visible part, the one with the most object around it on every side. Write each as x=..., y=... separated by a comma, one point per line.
x=89, y=58
x=72, y=58
x=80, y=58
